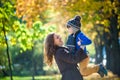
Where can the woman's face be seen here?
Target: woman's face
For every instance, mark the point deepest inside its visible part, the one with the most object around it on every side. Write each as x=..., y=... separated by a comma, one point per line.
x=57, y=40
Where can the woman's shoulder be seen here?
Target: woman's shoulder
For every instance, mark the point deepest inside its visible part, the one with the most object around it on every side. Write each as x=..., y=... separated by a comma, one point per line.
x=61, y=49
x=61, y=52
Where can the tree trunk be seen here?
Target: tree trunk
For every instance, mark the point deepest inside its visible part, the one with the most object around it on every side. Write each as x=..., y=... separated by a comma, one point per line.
x=33, y=72
x=98, y=45
x=111, y=40
x=8, y=56
x=115, y=47
x=107, y=43
x=98, y=55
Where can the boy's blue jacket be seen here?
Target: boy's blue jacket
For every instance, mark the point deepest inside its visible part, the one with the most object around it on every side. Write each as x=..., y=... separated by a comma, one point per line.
x=74, y=38
x=84, y=40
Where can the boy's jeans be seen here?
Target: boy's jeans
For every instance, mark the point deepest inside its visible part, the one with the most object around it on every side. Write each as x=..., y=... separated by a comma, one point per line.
x=87, y=70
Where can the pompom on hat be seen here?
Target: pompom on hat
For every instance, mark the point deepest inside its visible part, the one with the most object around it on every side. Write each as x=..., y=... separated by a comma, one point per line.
x=75, y=22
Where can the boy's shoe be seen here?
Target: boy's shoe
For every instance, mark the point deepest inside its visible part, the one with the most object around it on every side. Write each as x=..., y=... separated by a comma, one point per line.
x=101, y=73
x=102, y=70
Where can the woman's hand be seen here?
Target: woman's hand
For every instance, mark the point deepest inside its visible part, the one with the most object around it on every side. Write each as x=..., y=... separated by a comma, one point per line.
x=82, y=47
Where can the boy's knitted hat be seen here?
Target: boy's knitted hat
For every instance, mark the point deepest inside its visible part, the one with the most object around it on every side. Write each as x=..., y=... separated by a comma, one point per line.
x=75, y=22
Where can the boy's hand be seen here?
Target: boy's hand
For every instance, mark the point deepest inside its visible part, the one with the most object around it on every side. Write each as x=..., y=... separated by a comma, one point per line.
x=79, y=42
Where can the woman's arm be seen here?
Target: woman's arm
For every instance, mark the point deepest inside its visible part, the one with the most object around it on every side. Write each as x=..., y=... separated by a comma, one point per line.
x=64, y=55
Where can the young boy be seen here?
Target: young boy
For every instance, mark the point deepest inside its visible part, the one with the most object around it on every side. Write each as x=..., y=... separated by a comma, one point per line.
x=77, y=40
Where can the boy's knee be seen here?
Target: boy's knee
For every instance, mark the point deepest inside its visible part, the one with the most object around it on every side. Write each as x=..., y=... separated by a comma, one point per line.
x=83, y=73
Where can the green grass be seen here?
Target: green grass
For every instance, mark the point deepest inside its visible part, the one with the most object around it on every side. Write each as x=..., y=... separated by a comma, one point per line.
x=54, y=77
x=58, y=77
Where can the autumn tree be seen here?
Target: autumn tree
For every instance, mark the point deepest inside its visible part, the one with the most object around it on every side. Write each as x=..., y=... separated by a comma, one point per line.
x=31, y=10
x=26, y=41
x=12, y=33
x=6, y=21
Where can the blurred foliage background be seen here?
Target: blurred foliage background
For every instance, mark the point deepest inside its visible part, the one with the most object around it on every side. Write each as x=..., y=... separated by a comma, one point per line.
x=25, y=23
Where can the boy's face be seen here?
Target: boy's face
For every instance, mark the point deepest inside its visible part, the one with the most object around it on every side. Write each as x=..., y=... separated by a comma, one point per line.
x=70, y=30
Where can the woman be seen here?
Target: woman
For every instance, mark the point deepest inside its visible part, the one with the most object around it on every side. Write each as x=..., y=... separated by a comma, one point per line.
x=67, y=62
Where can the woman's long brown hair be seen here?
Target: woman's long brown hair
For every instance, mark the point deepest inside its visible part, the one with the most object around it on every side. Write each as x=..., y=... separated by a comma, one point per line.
x=49, y=49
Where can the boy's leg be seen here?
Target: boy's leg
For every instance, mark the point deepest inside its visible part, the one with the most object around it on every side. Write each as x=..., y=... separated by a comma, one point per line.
x=87, y=70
